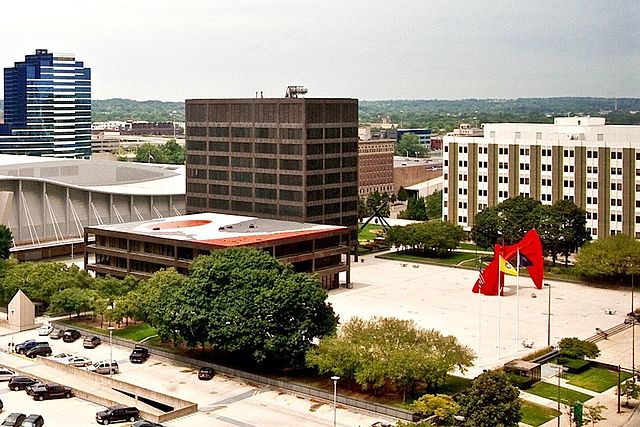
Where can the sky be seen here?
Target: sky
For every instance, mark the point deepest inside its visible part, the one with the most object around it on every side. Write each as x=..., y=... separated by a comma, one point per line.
x=365, y=49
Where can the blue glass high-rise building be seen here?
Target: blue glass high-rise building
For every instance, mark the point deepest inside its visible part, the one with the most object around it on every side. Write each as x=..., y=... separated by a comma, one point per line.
x=47, y=107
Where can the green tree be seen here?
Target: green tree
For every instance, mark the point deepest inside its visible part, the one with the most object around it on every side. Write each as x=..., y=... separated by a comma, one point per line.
x=433, y=205
x=611, y=257
x=158, y=301
x=150, y=153
x=73, y=300
x=375, y=200
x=509, y=220
x=491, y=401
x=410, y=145
x=363, y=210
x=112, y=288
x=232, y=293
x=402, y=194
x=440, y=405
x=563, y=229
x=416, y=209
x=174, y=153
x=432, y=237
x=382, y=351
x=631, y=390
x=6, y=241
x=593, y=413
x=575, y=348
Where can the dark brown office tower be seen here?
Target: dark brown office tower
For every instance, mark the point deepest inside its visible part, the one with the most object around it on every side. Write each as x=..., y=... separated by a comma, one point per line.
x=292, y=159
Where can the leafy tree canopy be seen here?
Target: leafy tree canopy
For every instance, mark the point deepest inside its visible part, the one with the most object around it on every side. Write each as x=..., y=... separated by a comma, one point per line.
x=6, y=241
x=409, y=145
x=431, y=237
x=440, y=405
x=614, y=257
x=491, y=401
x=168, y=153
x=384, y=350
x=575, y=348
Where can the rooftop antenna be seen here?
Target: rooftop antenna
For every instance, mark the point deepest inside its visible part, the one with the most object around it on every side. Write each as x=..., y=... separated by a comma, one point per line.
x=294, y=91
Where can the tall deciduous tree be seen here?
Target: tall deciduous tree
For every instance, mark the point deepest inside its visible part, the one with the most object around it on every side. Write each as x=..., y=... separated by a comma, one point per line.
x=491, y=401
x=73, y=300
x=383, y=351
x=576, y=348
x=6, y=241
x=409, y=145
x=433, y=205
x=563, y=229
x=611, y=257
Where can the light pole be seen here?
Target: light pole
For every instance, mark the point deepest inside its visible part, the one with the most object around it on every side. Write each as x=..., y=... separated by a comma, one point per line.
x=633, y=333
x=111, y=328
x=549, y=316
x=335, y=379
x=560, y=368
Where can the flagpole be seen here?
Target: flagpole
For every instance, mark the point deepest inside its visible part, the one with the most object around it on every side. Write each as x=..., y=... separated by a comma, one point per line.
x=518, y=301
x=480, y=320
x=499, y=297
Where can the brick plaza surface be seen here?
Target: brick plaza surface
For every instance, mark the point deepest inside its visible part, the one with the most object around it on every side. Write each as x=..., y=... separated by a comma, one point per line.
x=441, y=298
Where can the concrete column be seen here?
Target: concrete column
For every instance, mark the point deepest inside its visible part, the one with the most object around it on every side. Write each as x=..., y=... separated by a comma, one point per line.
x=604, y=192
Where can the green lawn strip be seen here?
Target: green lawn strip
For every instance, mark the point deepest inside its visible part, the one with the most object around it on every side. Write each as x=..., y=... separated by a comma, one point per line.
x=550, y=391
x=368, y=232
x=536, y=415
x=471, y=247
x=596, y=379
x=454, y=258
x=134, y=332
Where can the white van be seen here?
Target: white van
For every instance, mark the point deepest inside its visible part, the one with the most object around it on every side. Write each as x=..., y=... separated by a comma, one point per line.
x=104, y=367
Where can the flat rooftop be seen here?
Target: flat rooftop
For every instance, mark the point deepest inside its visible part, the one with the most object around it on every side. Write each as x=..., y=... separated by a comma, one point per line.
x=97, y=174
x=220, y=229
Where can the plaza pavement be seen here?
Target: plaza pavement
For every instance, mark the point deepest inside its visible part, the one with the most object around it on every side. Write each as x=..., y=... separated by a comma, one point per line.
x=440, y=298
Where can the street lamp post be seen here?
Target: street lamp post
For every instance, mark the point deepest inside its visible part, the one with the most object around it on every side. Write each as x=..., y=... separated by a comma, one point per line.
x=560, y=369
x=549, y=315
x=111, y=328
x=335, y=379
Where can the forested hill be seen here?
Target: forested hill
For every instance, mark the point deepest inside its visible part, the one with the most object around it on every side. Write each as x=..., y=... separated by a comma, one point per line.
x=437, y=114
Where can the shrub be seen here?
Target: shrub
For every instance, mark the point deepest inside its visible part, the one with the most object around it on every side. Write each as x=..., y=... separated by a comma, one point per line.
x=521, y=381
x=574, y=366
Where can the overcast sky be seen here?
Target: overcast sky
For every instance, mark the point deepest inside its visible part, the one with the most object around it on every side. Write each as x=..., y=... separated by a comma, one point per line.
x=366, y=49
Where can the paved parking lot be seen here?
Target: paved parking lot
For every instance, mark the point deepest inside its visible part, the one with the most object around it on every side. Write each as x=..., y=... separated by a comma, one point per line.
x=223, y=401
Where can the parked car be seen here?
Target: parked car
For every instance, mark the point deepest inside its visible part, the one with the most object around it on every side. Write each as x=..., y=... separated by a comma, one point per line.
x=6, y=374
x=20, y=382
x=206, y=373
x=56, y=334
x=39, y=350
x=117, y=414
x=33, y=420
x=49, y=391
x=91, y=342
x=62, y=357
x=104, y=367
x=14, y=420
x=34, y=385
x=79, y=361
x=27, y=345
x=45, y=329
x=139, y=355
x=70, y=335
x=145, y=423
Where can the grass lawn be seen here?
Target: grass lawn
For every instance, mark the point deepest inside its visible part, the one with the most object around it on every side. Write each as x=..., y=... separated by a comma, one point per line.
x=454, y=258
x=535, y=415
x=134, y=332
x=471, y=247
x=369, y=232
x=596, y=379
x=550, y=392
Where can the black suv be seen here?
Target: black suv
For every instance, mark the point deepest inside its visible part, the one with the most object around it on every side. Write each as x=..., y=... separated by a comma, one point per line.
x=139, y=355
x=49, y=391
x=14, y=419
x=27, y=345
x=19, y=382
x=33, y=420
x=117, y=413
x=70, y=335
x=39, y=350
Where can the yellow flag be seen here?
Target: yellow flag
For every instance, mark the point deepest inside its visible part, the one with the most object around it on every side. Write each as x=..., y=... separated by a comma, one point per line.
x=507, y=268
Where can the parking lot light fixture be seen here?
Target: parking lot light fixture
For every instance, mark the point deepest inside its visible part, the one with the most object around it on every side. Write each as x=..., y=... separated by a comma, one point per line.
x=110, y=328
x=335, y=379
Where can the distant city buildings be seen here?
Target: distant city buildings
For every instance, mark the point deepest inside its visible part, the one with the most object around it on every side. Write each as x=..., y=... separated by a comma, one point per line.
x=576, y=158
x=47, y=107
x=292, y=159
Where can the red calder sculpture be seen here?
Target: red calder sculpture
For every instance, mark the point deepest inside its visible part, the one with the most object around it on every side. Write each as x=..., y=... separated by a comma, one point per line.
x=530, y=251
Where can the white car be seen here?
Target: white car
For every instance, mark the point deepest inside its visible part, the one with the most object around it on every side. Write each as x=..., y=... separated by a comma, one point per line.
x=79, y=361
x=62, y=357
x=6, y=374
x=45, y=329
